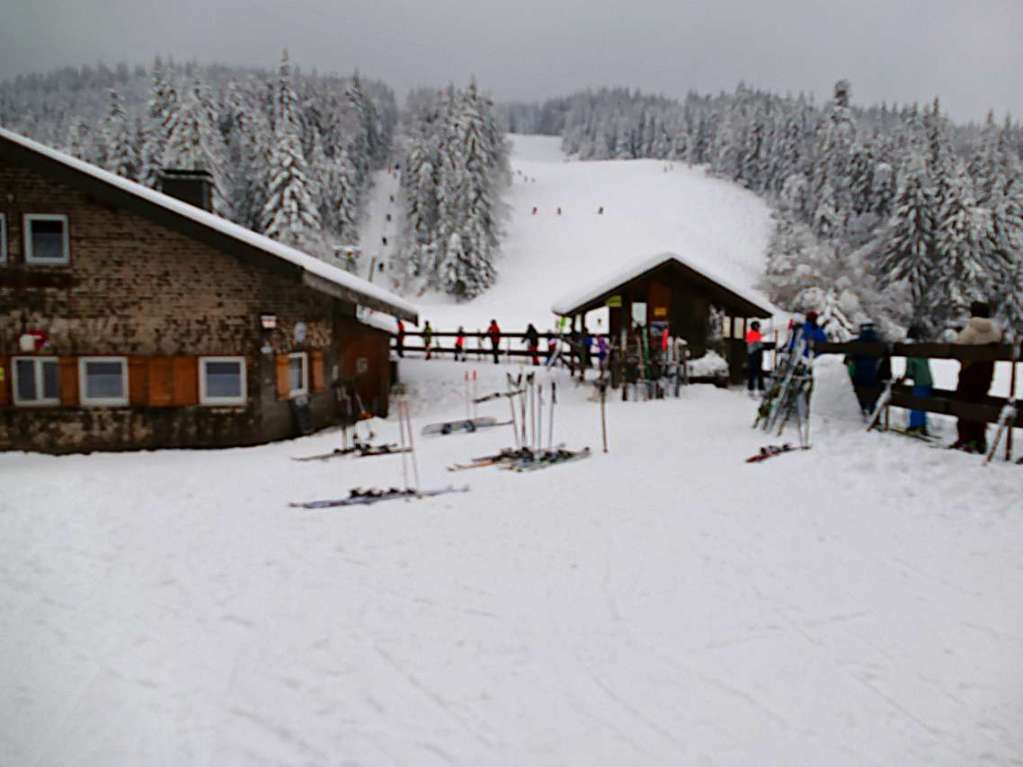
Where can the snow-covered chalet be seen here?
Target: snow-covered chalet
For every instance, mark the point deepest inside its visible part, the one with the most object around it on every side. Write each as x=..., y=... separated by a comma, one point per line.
x=131, y=318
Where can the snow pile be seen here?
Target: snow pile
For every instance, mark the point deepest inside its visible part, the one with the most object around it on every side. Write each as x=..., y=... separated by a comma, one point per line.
x=710, y=365
x=833, y=403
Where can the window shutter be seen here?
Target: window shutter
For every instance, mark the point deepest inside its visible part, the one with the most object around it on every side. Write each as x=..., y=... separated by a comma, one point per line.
x=316, y=374
x=68, y=381
x=160, y=382
x=186, y=381
x=5, y=381
x=138, y=386
x=283, y=384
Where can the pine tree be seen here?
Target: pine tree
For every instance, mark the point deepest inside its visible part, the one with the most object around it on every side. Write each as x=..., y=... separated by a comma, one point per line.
x=194, y=144
x=119, y=155
x=908, y=256
x=290, y=213
x=959, y=276
x=156, y=127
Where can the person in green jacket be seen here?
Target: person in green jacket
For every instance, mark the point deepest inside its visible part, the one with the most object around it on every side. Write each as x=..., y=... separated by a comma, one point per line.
x=918, y=370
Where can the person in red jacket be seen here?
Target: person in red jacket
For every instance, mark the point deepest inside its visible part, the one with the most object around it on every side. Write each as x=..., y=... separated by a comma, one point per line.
x=400, y=346
x=754, y=357
x=460, y=344
x=494, y=332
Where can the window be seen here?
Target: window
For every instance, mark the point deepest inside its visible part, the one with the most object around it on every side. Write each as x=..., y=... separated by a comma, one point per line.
x=222, y=380
x=103, y=381
x=46, y=239
x=298, y=374
x=3, y=239
x=36, y=381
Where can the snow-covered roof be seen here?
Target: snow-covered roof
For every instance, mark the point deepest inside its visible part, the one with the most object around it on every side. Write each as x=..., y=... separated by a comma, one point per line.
x=316, y=273
x=612, y=282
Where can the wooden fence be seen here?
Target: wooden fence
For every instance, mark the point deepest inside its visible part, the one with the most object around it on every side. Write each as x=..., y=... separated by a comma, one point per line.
x=942, y=401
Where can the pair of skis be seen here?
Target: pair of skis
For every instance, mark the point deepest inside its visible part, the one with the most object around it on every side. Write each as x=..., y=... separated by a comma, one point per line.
x=359, y=450
x=772, y=451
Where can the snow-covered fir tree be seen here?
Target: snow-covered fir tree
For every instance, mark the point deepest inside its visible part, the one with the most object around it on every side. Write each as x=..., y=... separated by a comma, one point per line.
x=118, y=140
x=290, y=213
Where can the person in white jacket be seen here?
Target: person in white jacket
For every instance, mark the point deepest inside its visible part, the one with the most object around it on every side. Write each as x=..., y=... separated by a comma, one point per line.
x=975, y=377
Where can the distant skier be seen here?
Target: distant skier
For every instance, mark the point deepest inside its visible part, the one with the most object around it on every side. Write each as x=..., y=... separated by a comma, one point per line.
x=600, y=211
x=532, y=340
x=428, y=339
x=384, y=240
x=975, y=377
x=494, y=333
x=460, y=344
x=388, y=216
x=392, y=198
x=602, y=353
x=755, y=358
x=400, y=345
x=559, y=210
x=535, y=210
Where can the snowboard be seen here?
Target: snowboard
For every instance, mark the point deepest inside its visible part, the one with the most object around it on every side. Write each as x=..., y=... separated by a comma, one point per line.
x=462, y=425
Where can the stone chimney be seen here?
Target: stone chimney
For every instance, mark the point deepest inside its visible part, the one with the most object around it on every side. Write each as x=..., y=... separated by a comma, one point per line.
x=192, y=186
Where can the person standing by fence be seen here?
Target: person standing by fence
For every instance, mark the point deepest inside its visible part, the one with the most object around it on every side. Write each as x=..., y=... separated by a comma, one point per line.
x=755, y=358
x=460, y=344
x=428, y=339
x=918, y=370
x=975, y=376
x=532, y=341
x=400, y=345
x=494, y=333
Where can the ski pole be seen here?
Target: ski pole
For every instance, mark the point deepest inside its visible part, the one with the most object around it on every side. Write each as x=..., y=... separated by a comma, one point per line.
x=550, y=432
x=475, y=392
x=402, y=442
x=514, y=425
x=412, y=447
x=468, y=412
x=603, y=413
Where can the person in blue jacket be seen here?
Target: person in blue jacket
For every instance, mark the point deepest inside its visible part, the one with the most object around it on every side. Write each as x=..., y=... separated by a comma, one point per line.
x=811, y=332
x=868, y=373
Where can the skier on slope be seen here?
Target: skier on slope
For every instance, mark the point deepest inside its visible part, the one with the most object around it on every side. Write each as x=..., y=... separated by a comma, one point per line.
x=428, y=339
x=975, y=377
x=494, y=333
x=532, y=341
x=460, y=345
x=602, y=353
x=754, y=358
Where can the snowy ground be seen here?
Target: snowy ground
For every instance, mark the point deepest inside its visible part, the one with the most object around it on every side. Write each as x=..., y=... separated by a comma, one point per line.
x=649, y=207
x=664, y=604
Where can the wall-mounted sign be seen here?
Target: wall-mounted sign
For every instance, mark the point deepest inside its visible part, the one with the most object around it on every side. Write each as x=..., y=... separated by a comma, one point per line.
x=613, y=302
x=361, y=365
x=299, y=332
x=660, y=311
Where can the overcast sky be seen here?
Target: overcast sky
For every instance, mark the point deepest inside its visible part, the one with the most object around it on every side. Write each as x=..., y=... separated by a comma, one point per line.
x=967, y=52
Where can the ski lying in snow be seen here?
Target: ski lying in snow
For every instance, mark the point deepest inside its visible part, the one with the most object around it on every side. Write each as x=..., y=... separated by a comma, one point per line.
x=358, y=451
x=547, y=458
x=770, y=451
x=365, y=497
x=464, y=425
x=928, y=438
x=508, y=455
x=498, y=395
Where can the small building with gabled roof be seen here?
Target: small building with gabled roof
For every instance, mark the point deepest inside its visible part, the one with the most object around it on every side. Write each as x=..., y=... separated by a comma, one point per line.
x=130, y=318
x=668, y=291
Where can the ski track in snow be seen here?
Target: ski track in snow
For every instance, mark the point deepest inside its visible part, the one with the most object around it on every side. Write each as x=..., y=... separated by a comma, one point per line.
x=663, y=604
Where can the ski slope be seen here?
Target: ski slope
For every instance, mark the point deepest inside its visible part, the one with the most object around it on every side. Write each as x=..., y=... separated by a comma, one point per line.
x=649, y=207
x=664, y=604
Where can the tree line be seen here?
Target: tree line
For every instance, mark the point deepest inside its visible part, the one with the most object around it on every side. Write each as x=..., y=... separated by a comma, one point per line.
x=290, y=153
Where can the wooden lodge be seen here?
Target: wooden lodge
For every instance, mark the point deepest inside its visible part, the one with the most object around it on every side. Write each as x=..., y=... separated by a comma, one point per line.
x=667, y=291
x=130, y=318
